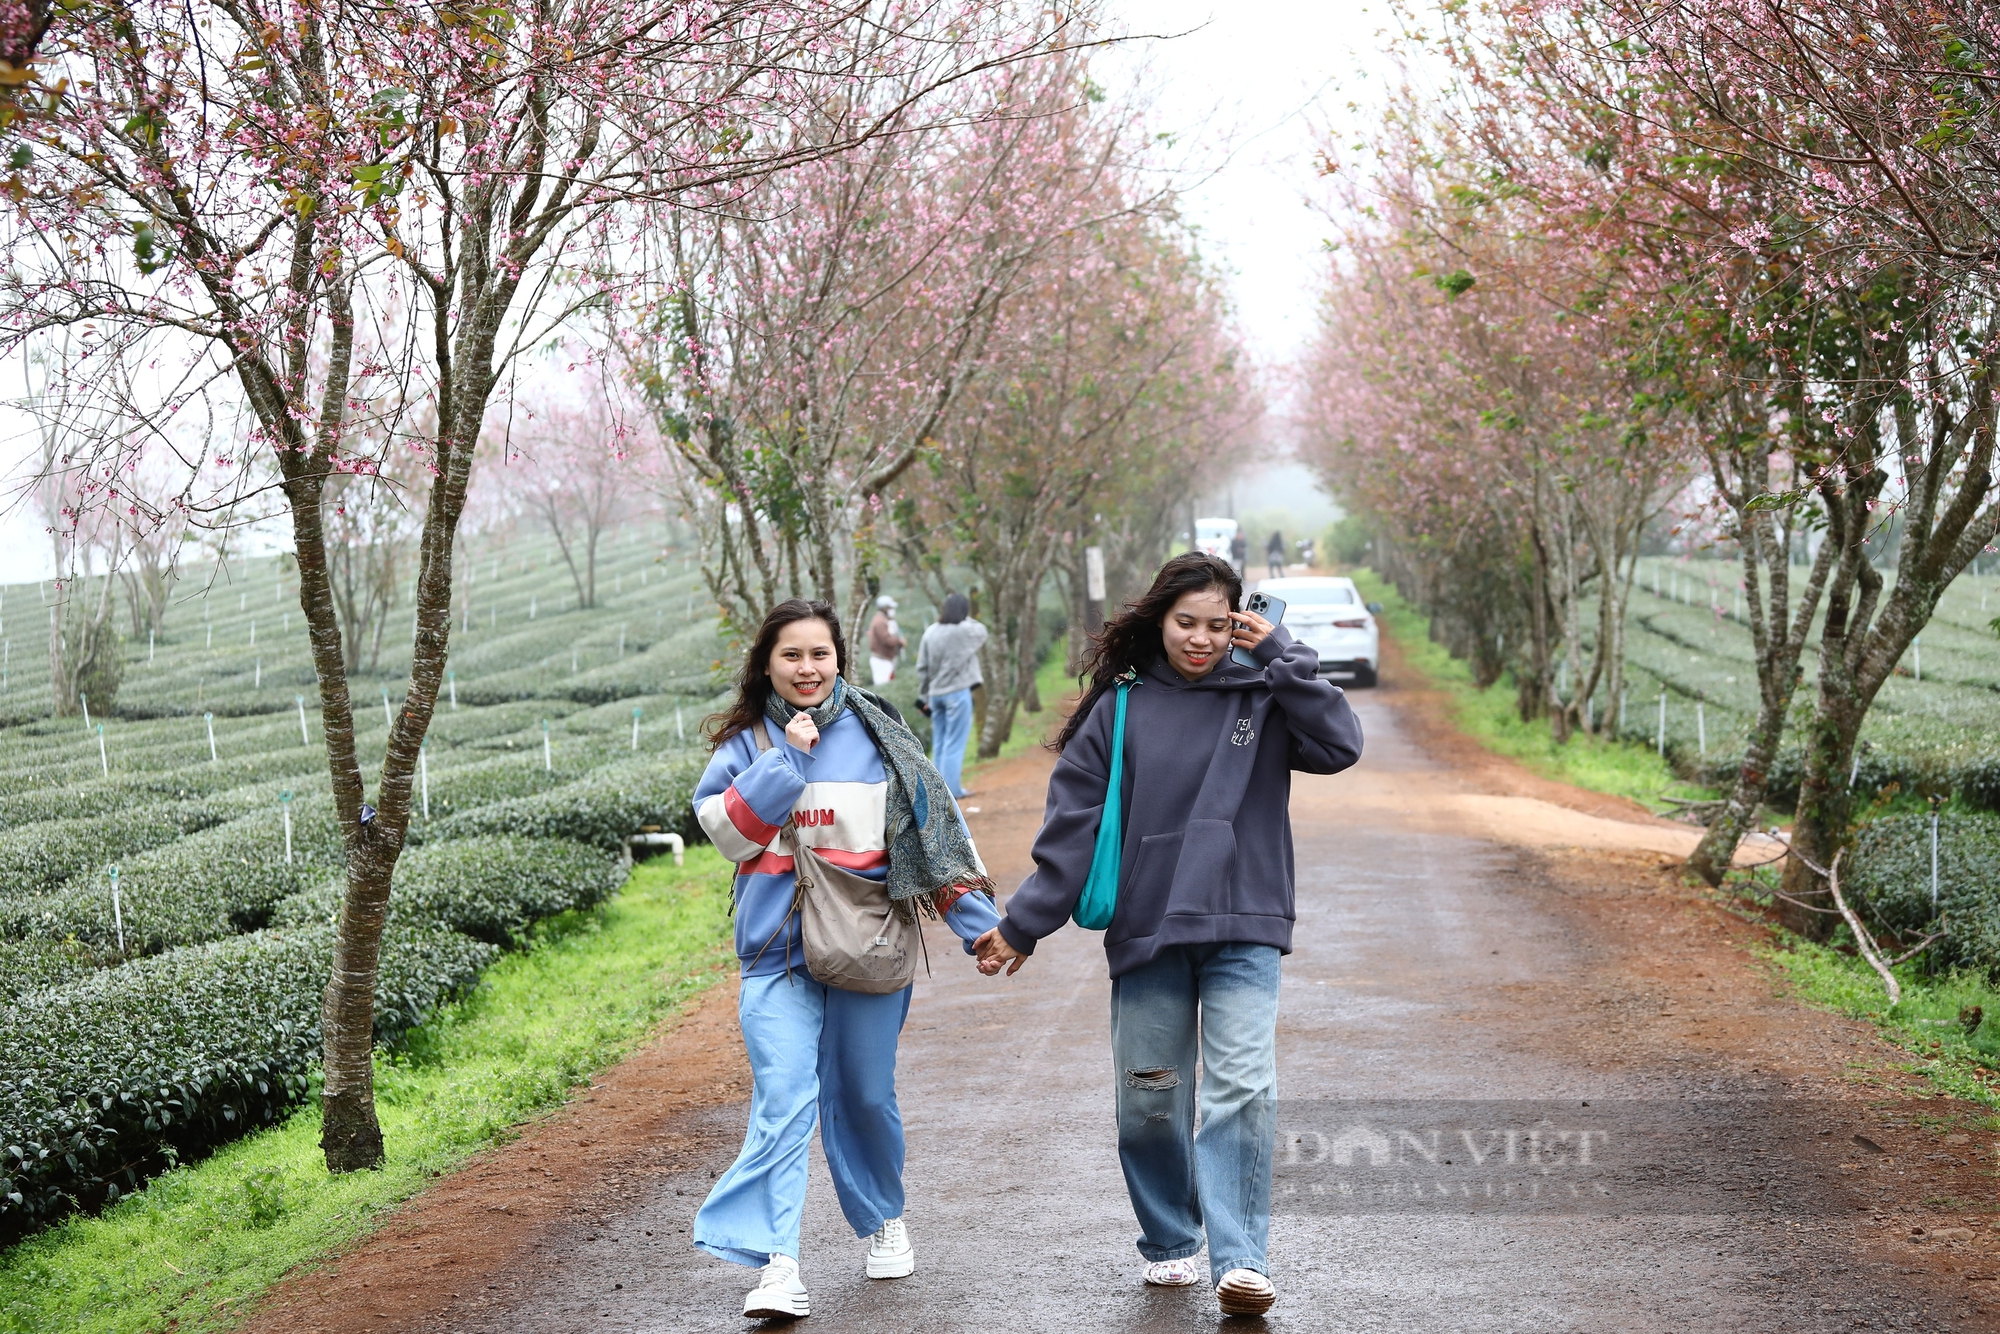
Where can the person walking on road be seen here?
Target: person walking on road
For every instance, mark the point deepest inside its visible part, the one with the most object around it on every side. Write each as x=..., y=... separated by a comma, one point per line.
x=885, y=642
x=807, y=766
x=1200, y=852
x=947, y=670
x=1274, y=555
x=1239, y=552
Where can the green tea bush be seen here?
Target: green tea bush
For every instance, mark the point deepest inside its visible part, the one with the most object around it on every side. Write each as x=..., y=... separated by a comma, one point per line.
x=215, y=883
x=30, y=965
x=489, y=888
x=177, y=1053
x=42, y=856
x=1977, y=783
x=600, y=809
x=458, y=787
x=1889, y=870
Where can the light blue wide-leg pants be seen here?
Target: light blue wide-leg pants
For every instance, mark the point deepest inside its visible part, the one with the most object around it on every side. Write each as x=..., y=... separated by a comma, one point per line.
x=817, y=1053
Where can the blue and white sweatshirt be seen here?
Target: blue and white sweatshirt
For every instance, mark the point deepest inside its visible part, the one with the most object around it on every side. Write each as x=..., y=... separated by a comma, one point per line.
x=839, y=792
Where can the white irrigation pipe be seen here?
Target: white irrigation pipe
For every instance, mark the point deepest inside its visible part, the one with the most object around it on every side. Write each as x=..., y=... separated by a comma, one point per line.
x=388, y=718
x=1661, y=744
x=86, y=709
x=285, y=805
x=105, y=760
x=1917, y=647
x=1700, y=730
x=210, y=641
x=253, y=632
x=257, y=681
x=680, y=731
x=424, y=773
x=117, y=910
x=304, y=740
x=635, y=727
x=1934, y=858
x=451, y=683
x=209, y=718
x=548, y=763
x=149, y=647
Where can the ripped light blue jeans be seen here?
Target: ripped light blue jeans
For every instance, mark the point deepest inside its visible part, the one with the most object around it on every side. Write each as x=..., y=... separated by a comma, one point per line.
x=1220, y=1002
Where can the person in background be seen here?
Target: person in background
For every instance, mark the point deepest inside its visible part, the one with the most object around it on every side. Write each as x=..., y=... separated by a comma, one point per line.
x=1274, y=554
x=947, y=670
x=885, y=642
x=1239, y=551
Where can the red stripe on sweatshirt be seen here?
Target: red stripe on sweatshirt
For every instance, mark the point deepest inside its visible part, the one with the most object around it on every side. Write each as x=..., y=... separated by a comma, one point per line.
x=747, y=821
x=776, y=863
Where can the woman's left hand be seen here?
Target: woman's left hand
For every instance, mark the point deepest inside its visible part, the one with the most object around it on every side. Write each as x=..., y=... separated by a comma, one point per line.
x=1249, y=631
x=995, y=953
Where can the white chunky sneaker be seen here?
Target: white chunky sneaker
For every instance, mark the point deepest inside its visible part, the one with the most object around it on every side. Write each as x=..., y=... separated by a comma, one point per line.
x=1245, y=1292
x=889, y=1252
x=780, y=1292
x=1173, y=1273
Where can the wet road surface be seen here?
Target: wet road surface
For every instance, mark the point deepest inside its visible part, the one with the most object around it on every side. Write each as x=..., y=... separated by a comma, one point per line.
x=1427, y=966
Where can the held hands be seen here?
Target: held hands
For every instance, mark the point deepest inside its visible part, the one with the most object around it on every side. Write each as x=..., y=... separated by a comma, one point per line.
x=802, y=732
x=1249, y=631
x=994, y=952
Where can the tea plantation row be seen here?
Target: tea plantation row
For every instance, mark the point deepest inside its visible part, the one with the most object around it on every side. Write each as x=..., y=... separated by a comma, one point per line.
x=153, y=1010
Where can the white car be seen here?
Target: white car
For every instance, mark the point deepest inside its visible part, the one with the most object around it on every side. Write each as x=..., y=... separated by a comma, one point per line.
x=1326, y=613
x=1213, y=536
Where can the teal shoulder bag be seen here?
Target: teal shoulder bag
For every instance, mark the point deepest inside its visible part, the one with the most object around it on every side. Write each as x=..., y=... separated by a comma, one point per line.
x=1099, y=899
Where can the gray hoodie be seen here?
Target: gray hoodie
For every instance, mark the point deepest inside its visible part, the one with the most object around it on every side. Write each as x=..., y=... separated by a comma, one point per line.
x=1207, y=789
x=948, y=657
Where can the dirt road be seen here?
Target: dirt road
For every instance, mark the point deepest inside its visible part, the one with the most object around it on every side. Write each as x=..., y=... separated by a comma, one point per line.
x=1449, y=950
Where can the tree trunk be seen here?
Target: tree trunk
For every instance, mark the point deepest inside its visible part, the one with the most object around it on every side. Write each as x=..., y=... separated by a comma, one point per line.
x=350, y=1136
x=1717, y=849
x=1778, y=633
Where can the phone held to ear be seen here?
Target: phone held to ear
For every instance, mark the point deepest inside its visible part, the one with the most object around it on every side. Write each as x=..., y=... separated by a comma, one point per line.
x=1271, y=609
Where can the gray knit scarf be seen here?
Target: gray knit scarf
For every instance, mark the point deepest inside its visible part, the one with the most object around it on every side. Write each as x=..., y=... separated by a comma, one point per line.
x=929, y=850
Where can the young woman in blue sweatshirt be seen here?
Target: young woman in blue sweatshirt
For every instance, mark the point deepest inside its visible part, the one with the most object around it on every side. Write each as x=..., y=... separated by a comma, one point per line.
x=1204, y=906
x=816, y=1052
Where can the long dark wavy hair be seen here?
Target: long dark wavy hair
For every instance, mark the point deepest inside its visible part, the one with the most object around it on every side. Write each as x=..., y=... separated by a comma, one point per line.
x=753, y=683
x=1132, y=637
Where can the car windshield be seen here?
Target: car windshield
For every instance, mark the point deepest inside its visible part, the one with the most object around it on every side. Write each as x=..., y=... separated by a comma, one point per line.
x=1322, y=596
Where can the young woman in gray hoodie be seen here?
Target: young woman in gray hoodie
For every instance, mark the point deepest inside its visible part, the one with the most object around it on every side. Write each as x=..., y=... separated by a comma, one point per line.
x=1204, y=905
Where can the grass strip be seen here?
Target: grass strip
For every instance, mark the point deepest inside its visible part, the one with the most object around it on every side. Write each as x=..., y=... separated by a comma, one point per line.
x=1489, y=716
x=191, y=1250
x=1926, y=1024
x=1054, y=685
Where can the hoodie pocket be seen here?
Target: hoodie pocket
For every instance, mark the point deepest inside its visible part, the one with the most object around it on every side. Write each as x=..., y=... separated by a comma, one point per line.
x=1142, y=898
x=1205, y=873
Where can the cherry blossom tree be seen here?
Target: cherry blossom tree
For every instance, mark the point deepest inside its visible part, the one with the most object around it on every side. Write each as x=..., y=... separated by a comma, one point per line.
x=1111, y=370
x=811, y=347
x=347, y=224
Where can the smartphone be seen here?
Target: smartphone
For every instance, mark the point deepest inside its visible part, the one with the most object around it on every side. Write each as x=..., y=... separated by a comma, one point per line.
x=1271, y=609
